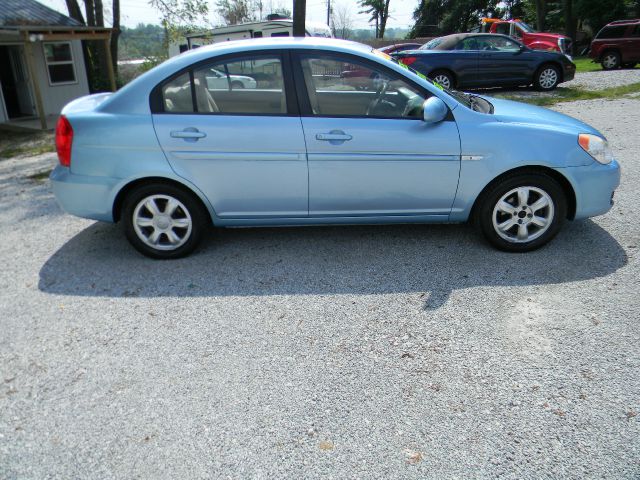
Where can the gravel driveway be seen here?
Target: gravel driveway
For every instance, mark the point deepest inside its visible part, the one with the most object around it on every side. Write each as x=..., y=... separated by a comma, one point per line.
x=602, y=79
x=352, y=352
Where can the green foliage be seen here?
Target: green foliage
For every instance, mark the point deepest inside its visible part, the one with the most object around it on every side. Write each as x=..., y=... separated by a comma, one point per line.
x=180, y=15
x=143, y=41
x=443, y=17
x=574, y=94
x=378, y=10
x=234, y=12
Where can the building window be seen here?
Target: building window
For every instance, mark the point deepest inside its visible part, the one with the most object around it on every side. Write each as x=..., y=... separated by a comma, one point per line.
x=59, y=61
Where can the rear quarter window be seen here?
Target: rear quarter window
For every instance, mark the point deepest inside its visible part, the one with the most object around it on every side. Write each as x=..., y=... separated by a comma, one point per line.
x=612, y=32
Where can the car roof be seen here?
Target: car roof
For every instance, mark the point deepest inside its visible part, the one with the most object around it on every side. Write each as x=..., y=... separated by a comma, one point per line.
x=623, y=22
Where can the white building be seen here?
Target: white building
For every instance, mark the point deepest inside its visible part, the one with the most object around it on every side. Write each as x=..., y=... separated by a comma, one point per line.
x=275, y=27
x=41, y=62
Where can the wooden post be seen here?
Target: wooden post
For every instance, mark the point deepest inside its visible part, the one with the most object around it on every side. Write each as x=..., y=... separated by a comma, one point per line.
x=28, y=53
x=112, y=75
x=299, y=14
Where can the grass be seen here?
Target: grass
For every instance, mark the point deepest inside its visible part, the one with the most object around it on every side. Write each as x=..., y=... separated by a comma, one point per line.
x=14, y=144
x=584, y=64
x=40, y=176
x=574, y=94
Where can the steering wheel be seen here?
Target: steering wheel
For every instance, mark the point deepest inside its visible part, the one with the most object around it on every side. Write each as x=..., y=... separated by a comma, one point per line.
x=382, y=89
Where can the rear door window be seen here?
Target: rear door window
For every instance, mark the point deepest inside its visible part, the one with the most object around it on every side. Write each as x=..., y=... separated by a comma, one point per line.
x=251, y=84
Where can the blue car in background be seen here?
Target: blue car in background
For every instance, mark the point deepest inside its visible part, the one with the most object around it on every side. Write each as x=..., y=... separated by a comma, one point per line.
x=484, y=60
x=173, y=152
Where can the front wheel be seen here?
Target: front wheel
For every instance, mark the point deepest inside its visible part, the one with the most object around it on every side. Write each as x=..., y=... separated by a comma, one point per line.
x=547, y=78
x=522, y=213
x=163, y=221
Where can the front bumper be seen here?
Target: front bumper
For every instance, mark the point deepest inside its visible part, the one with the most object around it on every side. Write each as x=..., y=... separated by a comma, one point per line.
x=83, y=196
x=595, y=185
x=569, y=72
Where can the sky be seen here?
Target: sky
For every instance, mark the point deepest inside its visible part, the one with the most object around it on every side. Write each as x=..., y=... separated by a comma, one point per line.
x=139, y=11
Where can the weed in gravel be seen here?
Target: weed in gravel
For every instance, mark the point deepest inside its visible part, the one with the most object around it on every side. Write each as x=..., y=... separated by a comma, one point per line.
x=40, y=176
x=13, y=144
x=574, y=94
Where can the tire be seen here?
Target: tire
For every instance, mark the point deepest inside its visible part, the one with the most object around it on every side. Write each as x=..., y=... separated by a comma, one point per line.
x=547, y=77
x=237, y=85
x=610, y=60
x=164, y=235
x=629, y=65
x=509, y=227
x=444, y=78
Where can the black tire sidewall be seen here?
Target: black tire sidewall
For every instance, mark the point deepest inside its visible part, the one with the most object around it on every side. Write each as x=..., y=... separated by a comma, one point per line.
x=484, y=214
x=539, y=72
x=199, y=219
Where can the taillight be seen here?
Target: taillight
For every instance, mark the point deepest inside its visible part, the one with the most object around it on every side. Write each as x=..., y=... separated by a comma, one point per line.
x=408, y=60
x=64, y=139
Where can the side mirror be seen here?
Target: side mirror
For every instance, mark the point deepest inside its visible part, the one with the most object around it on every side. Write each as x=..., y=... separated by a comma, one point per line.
x=434, y=110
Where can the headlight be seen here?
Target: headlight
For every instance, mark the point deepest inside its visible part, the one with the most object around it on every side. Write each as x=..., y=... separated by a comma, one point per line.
x=596, y=146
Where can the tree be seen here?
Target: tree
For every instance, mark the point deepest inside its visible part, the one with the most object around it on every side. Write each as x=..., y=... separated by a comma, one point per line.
x=95, y=56
x=450, y=16
x=540, y=14
x=235, y=11
x=177, y=15
x=379, y=11
x=341, y=21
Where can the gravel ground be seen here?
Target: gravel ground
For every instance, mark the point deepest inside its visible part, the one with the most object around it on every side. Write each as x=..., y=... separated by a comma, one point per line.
x=353, y=352
x=602, y=79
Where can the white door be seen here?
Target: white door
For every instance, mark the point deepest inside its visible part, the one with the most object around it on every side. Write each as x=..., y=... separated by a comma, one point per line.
x=23, y=89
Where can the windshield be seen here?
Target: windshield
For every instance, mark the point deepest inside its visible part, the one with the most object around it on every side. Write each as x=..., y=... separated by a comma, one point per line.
x=525, y=27
x=431, y=44
x=473, y=102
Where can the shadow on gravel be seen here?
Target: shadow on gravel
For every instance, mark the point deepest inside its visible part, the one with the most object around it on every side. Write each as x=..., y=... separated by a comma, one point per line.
x=435, y=259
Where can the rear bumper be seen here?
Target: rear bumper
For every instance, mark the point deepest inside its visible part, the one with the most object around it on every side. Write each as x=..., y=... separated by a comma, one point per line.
x=83, y=196
x=595, y=185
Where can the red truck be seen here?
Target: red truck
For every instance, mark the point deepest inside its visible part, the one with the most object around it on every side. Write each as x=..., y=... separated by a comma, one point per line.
x=525, y=34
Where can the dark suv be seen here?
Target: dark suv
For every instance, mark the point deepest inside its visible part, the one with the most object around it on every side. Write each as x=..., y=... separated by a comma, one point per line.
x=617, y=44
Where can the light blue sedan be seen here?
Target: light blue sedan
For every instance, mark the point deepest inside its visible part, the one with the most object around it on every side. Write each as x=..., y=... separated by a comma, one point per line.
x=334, y=132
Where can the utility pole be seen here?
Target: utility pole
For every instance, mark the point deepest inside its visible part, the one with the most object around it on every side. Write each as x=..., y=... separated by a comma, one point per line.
x=328, y=12
x=299, y=14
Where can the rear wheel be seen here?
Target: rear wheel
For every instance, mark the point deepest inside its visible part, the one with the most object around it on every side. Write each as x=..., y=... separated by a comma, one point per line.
x=163, y=221
x=522, y=212
x=444, y=78
x=237, y=85
x=611, y=60
x=547, y=77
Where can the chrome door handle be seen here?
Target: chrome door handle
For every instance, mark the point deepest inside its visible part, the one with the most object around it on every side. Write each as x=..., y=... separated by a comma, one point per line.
x=336, y=136
x=189, y=134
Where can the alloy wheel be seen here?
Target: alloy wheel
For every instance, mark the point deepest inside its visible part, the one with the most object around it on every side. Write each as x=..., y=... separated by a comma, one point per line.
x=523, y=214
x=548, y=78
x=162, y=222
x=610, y=60
x=443, y=80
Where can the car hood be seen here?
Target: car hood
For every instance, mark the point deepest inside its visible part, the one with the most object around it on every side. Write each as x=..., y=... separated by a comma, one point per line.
x=547, y=36
x=516, y=112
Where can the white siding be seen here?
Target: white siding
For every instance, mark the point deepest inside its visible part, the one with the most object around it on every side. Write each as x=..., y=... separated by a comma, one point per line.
x=54, y=97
